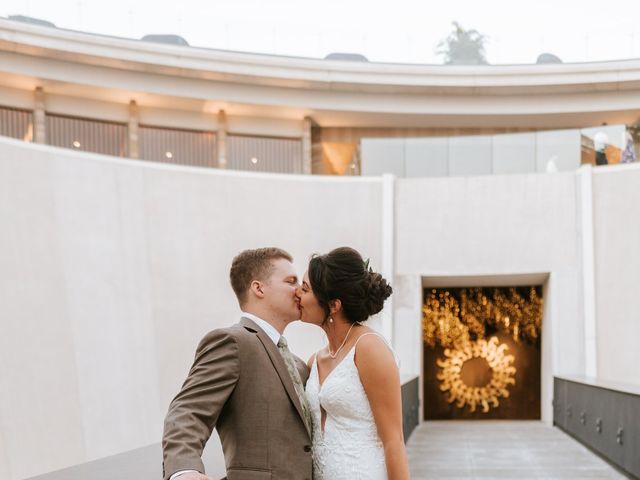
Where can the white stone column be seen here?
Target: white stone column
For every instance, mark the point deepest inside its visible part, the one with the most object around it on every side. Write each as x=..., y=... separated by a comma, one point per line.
x=306, y=146
x=549, y=355
x=585, y=222
x=407, y=322
x=134, y=119
x=222, y=139
x=388, y=249
x=39, y=117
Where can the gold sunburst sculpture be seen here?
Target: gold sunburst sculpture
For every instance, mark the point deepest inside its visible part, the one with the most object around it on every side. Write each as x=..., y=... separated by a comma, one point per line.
x=487, y=396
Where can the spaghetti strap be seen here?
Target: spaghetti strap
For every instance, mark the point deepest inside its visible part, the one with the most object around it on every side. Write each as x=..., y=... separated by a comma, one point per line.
x=383, y=339
x=371, y=333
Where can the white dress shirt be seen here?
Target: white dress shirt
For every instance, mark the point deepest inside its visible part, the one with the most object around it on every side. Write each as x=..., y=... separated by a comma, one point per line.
x=273, y=334
x=265, y=326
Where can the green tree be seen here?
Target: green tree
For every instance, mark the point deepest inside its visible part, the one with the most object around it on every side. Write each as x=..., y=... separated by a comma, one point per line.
x=463, y=47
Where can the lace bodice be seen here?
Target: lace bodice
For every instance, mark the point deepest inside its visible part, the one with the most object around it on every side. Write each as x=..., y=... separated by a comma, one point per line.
x=349, y=448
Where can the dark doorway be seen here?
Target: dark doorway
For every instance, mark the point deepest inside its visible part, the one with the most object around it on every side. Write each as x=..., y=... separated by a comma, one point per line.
x=524, y=352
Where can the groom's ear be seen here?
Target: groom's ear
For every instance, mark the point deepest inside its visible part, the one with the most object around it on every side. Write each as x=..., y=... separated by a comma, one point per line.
x=256, y=288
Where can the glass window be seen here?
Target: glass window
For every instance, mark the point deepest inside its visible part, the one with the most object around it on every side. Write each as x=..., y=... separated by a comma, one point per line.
x=16, y=123
x=184, y=147
x=264, y=154
x=603, y=145
x=88, y=135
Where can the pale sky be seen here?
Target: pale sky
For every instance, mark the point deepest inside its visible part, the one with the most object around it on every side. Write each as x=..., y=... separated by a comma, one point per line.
x=403, y=31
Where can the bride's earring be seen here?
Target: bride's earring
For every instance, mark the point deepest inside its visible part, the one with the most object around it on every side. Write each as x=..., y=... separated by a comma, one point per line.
x=330, y=320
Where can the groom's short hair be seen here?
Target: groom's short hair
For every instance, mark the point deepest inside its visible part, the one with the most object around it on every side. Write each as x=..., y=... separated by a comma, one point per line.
x=254, y=264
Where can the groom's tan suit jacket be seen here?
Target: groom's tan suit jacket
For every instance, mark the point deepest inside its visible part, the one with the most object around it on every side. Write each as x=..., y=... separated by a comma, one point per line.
x=239, y=384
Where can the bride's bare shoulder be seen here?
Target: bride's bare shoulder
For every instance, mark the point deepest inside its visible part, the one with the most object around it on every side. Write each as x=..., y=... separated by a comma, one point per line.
x=369, y=343
x=369, y=336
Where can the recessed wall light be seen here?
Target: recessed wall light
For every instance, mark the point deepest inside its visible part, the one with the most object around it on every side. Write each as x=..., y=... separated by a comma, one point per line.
x=76, y=144
x=254, y=160
x=168, y=154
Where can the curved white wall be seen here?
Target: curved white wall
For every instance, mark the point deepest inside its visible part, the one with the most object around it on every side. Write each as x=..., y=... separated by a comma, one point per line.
x=113, y=269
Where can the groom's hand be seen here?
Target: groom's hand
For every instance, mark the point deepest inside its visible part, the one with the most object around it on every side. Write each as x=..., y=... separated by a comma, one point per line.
x=193, y=476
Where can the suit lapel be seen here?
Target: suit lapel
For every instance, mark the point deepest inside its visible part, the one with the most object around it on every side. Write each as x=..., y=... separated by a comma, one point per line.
x=277, y=361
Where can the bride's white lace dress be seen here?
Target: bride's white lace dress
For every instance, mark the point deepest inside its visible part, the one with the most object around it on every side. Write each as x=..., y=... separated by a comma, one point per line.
x=349, y=447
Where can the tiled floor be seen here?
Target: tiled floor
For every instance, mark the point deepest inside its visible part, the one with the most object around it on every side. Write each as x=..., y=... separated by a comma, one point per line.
x=500, y=450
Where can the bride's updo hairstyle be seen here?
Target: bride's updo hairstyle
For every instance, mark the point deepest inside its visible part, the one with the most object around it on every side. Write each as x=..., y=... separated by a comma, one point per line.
x=343, y=275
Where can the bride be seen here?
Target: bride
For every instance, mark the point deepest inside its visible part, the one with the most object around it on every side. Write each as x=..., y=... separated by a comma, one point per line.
x=354, y=384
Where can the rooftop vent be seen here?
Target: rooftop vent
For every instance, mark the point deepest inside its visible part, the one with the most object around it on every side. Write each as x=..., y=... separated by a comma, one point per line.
x=548, y=58
x=31, y=20
x=347, y=57
x=167, y=39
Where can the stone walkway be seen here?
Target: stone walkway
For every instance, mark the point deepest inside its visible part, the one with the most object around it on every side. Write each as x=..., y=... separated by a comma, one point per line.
x=499, y=450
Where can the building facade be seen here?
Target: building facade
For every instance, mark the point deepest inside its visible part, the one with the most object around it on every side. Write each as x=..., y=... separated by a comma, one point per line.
x=136, y=172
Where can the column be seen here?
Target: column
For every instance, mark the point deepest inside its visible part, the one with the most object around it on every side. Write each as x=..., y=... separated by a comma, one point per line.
x=388, y=249
x=306, y=146
x=222, y=139
x=585, y=207
x=39, y=117
x=134, y=119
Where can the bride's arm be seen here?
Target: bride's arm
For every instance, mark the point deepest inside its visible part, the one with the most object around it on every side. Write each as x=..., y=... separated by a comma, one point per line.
x=381, y=380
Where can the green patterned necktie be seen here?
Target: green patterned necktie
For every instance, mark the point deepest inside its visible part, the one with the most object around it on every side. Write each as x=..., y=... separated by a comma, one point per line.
x=297, y=381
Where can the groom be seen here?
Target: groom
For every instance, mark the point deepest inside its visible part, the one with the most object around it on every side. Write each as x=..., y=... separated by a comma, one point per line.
x=246, y=383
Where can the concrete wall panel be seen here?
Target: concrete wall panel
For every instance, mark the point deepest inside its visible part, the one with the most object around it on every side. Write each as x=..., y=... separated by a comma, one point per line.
x=470, y=155
x=616, y=212
x=426, y=157
x=558, y=150
x=383, y=155
x=514, y=153
x=38, y=377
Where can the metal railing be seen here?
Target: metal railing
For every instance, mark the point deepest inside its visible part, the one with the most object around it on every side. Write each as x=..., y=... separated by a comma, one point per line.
x=603, y=416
